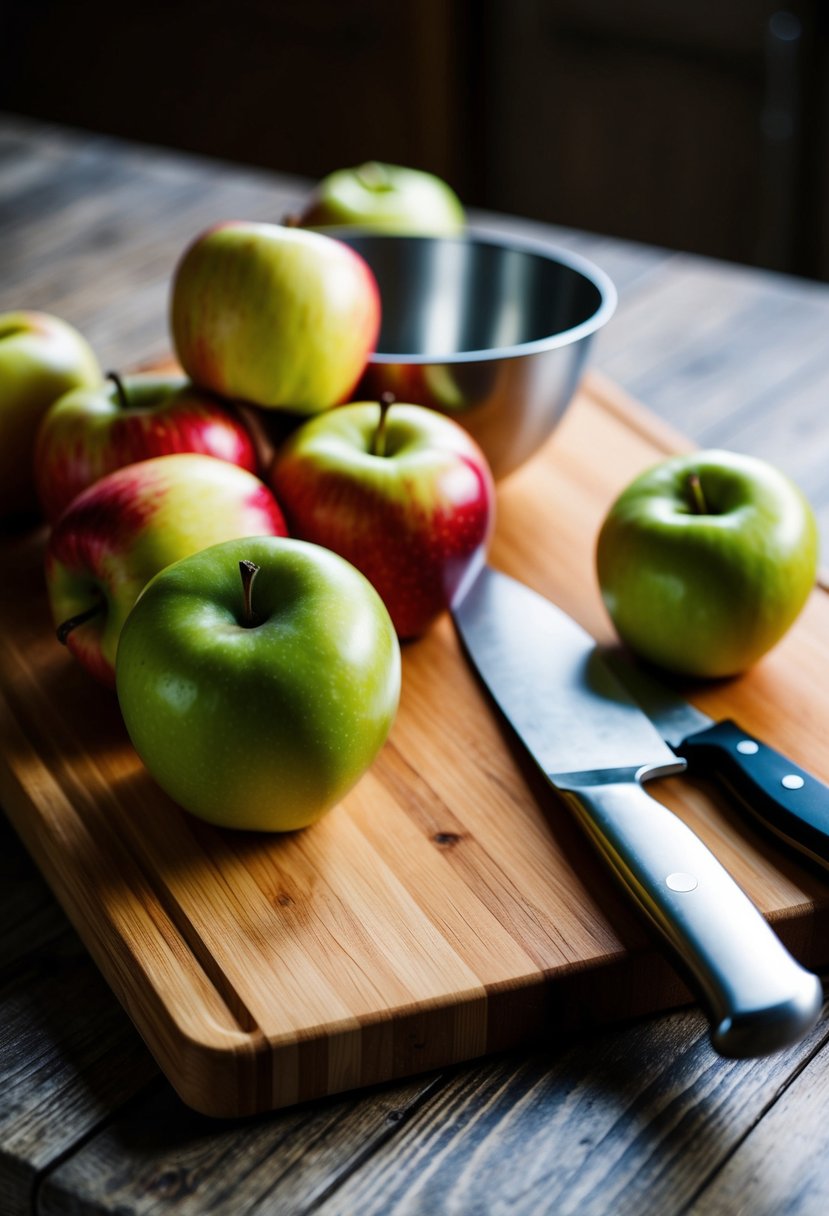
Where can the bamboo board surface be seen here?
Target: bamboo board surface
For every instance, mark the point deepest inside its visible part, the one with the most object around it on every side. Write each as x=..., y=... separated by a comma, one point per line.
x=448, y=907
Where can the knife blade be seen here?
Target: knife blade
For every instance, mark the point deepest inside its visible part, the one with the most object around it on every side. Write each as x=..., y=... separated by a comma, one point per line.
x=791, y=802
x=597, y=748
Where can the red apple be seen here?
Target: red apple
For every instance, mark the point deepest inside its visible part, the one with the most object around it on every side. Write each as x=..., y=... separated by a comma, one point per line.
x=404, y=495
x=91, y=432
x=277, y=317
x=122, y=530
x=41, y=358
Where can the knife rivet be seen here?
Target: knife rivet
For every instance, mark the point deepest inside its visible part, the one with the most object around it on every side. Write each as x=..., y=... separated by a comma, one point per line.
x=681, y=882
x=792, y=782
x=748, y=747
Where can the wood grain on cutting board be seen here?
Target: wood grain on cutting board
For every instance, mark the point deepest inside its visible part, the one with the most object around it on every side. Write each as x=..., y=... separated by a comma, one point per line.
x=449, y=906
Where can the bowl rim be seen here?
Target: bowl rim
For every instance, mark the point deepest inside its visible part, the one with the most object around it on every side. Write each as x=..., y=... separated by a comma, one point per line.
x=608, y=296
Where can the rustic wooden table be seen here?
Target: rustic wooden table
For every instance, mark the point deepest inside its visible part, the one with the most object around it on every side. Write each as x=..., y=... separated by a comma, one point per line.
x=641, y=1118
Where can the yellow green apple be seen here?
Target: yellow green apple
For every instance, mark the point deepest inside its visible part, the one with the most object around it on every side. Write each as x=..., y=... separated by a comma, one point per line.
x=385, y=198
x=277, y=317
x=41, y=358
x=706, y=560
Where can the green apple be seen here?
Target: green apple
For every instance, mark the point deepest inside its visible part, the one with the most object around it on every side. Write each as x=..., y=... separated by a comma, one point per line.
x=385, y=198
x=706, y=560
x=274, y=316
x=41, y=358
x=258, y=679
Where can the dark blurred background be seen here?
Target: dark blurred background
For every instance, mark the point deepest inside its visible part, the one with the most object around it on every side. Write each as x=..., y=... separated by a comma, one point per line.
x=701, y=126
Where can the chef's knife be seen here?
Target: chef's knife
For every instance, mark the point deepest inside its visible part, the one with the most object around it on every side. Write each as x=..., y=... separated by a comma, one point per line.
x=596, y=747
x=790, y=801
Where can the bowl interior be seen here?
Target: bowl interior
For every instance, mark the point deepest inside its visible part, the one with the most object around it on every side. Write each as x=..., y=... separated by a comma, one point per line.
x=454, y=299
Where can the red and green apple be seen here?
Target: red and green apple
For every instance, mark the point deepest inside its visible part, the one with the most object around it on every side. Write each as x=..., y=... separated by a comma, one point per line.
x=277, y=317
x=123, y=529
x=41, y=358
x=91, y=432
x=401, y=491
x=705, y=561
x=258, y=679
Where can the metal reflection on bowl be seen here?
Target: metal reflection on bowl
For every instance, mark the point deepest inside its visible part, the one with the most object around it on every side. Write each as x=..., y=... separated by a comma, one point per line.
x=491, y=331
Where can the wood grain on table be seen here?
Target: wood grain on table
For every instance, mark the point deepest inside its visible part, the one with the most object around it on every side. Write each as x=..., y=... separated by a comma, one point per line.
x=635, y=1119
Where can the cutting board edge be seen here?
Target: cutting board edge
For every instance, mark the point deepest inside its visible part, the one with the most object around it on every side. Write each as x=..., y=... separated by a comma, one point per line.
x=545, y=1013
x=19, y=807
x=234, y=1075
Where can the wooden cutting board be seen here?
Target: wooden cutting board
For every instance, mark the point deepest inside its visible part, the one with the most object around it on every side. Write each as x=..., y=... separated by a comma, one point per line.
x=449, y=907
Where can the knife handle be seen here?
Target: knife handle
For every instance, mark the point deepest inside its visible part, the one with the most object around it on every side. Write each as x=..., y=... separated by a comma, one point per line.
x=759, y=997
x=790, y=801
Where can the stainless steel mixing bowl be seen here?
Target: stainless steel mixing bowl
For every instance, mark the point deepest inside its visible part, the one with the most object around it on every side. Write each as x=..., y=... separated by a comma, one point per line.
x=494, y=332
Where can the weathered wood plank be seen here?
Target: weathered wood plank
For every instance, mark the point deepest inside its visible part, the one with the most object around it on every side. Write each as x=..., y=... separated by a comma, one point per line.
x=780, y=1166
x=95, y=236
x=162, y=1154
x=627, y=1123
x=794, y=424
x=712, y=339
x=68, y=1054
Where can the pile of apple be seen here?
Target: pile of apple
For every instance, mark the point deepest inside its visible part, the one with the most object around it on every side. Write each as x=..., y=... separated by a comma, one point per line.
x=246, y=599
x=246, y=612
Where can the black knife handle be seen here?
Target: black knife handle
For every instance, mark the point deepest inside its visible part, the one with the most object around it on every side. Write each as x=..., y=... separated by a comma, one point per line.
x=790, y=801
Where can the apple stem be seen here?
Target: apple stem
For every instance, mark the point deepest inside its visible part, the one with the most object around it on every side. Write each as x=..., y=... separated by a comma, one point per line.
x=73, y=622
x=291, y=220
x=373, y=176
x=698, y=504
x=248, y=571
x=378, y=445
x=123, y=399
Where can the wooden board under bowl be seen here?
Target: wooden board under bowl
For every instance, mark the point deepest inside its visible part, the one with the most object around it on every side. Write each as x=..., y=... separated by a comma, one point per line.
x=449, y=906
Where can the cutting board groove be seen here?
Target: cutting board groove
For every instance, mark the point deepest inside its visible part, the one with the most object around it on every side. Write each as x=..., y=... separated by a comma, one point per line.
x=449, y=906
